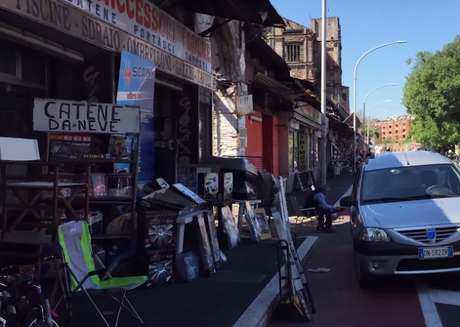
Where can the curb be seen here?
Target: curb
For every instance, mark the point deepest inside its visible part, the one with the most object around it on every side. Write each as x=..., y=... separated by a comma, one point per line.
x=259, y=312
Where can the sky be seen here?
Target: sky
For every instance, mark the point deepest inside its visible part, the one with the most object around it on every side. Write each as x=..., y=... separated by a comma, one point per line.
x=425, y=25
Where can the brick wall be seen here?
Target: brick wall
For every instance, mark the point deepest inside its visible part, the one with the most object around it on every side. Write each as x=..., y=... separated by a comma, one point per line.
x=228, y=65
x=225, y=127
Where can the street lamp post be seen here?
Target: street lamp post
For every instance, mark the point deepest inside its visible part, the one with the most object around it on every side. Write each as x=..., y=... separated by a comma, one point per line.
x=323, y=95
x=354, y=93
x=364, y=104
x=368, y=122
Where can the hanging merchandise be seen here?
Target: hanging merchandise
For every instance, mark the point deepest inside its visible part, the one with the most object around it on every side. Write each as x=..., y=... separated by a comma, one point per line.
x=120, y=184
x=253, y=223
x=98, y=185
x=207, y=259
x=212, y=232
x=230, y=227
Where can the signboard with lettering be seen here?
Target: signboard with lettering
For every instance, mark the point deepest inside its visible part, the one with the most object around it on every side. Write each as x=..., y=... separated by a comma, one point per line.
x=175, y=50
x=303, y=151
x=84, y=117
x=144, y=20
x=309, y=112
x=136, y=84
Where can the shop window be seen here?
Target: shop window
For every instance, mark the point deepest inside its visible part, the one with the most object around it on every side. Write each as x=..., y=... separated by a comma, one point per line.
x=292, y=52
x=8, y=56
x=34, y=66
x=22, y=66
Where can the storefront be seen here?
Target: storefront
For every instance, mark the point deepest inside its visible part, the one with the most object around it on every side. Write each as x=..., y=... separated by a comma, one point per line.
x=71, y=50
x=303, y=134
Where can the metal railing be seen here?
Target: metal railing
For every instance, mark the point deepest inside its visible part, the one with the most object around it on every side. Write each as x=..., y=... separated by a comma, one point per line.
x=261, y=163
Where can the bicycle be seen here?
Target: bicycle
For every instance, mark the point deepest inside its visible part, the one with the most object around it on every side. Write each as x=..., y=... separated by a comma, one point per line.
x=21, y=300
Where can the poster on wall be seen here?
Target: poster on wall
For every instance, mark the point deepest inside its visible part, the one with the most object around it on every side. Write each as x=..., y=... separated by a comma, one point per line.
x=136, y=84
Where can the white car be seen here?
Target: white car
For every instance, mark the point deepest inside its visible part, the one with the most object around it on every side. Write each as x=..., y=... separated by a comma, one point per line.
x=405, y=215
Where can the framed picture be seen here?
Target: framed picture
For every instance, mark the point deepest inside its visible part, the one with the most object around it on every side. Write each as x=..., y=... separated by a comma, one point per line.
x=261, y=218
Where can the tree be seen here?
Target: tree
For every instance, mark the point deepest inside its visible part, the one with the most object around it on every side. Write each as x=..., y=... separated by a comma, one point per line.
x=432, y=94
x=372, y=133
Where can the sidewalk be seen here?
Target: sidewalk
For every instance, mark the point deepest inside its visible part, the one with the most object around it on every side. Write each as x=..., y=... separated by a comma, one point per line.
x=206, y=302
x=209, y=302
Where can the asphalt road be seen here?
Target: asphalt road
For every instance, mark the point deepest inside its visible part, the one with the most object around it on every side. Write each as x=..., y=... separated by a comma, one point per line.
x=427, y=301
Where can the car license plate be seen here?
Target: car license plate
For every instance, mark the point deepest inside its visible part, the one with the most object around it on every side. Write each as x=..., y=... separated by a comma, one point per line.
x=433, y=253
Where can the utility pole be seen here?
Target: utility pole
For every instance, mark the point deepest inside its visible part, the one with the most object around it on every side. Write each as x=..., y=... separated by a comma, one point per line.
x=323, y=96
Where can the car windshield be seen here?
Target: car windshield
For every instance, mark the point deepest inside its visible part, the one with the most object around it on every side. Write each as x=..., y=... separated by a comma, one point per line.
x=410, y=183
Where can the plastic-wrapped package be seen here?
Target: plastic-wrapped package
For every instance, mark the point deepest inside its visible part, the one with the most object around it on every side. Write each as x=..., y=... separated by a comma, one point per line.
x=253, y=223
x=206, y=254
x=230, y=227
x=214, y=241
x=187, y=266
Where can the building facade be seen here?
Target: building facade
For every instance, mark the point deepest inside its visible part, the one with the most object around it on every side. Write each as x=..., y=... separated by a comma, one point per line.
x=394, y=132
x=72, y=51
x=300, y=47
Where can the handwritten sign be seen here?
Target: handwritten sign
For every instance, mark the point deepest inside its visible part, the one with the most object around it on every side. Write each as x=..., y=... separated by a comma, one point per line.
x=84, y=117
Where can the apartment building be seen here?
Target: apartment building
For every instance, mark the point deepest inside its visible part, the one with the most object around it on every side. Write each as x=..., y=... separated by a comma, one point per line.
x=394, y=131
x=300, y=47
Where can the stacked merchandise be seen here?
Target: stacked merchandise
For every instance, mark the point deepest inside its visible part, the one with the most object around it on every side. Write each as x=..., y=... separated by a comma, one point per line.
x=230, y=228
x=181, y=203
x=158, y=243
x=300, y=295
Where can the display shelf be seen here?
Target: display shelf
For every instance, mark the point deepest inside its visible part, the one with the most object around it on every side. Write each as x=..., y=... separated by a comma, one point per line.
x=111, y=237
x=108, y=200
x=91, y=161
x=31, y=198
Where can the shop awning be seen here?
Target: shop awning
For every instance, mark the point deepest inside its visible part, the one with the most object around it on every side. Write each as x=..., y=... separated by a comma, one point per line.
x=259, y=12
x=273, y=86
x=349, y=121
x=338, y=126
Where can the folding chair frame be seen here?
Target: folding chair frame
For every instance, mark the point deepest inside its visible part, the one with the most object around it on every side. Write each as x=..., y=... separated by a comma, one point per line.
x=67, y=295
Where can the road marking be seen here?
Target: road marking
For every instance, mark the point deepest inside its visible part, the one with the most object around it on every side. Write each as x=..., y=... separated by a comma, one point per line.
x=430, y=313
x=445, y=297
x=348, y=192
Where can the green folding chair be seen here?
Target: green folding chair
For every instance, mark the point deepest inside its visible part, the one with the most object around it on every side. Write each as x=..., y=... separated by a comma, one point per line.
x=81, y=276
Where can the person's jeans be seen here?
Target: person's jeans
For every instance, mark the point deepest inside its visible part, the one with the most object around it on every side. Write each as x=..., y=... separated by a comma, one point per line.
x=325, y=217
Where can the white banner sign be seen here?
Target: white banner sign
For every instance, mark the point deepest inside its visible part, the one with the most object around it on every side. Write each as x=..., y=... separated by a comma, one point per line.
x=144, y=20
x=84, y=117
x=244, y=104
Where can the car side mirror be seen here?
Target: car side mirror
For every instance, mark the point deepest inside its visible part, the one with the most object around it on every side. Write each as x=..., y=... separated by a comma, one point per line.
x=347, y=201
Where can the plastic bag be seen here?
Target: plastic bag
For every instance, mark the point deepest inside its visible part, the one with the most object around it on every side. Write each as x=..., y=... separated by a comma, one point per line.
x=187, y=266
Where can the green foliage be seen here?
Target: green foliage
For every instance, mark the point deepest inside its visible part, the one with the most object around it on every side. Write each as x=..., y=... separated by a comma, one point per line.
x=432, y=93
x=372, y=132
